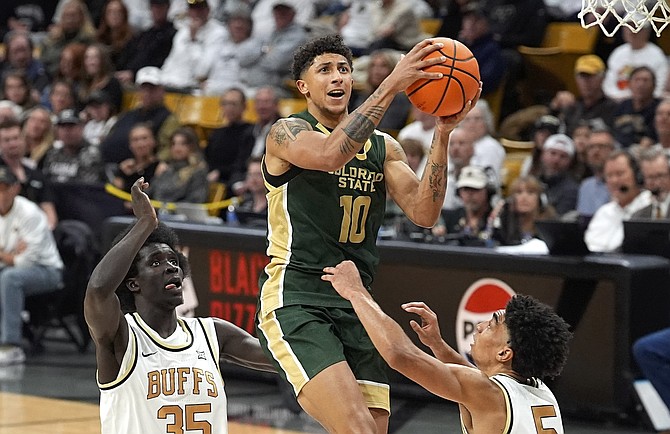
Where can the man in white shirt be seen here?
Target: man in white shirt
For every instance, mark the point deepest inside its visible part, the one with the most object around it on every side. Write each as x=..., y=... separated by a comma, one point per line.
x=29, y=263
x=195, y=48
x=624, y=182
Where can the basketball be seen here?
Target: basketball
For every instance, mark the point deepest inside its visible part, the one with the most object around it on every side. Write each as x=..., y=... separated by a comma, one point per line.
x=459, y=84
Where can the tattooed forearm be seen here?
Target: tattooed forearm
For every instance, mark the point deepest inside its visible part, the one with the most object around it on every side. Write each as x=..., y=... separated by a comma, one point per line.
x=347, y=147
x=437, y=179
x=359, y=128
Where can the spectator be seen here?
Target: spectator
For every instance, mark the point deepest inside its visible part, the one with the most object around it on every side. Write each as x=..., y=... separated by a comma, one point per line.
x=9, y=110
x=62, y=96
x=33, y=184
x=70, y=68
x=461, y=150
x=29, y=263
x=150, y=47
x=265, y=22
x=38, y=133
x=253, y=211
x=226, y=69
x=99, y=76
x=74, y=25
x=139, y=14
x=624, y=181
x=421, y=128
x=229, y=147
x=19, y=58
x=74, y=160
x=115, y=31
x=266, y=105
x=635, y=51
x=655, y=168
x=381, y=63
x=151, y=109
x=477, y=36
x=16, y=88
x=269, y=62
x=543, y=127
x=591, y=103
x=143, y=162
x=526, y=204
x=183, y=177
x=194, y=49
x=580, y=136
x=354, y=26
x=662, y=124
x=471, y=221
x=394, y=25
x=558, y=152
x=27, y=16
x=634, y=116
x=488, y=151
x=593, y=192
x=100, y=117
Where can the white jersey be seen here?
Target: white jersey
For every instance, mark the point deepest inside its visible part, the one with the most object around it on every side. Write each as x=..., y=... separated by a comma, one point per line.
x=167, y=385
x=531, y=408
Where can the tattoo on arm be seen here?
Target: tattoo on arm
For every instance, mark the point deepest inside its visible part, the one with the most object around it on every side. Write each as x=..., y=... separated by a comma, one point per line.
x=286, y=130
x=437, y=179
x=361, y=126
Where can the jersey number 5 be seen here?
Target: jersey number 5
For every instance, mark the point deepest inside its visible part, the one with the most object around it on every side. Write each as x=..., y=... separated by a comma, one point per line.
x=353, y=219
x=539, y=413
x=184, y=420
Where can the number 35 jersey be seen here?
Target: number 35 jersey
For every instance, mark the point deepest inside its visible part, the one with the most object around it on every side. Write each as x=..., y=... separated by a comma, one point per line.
x=167, y=385
x=318, y=219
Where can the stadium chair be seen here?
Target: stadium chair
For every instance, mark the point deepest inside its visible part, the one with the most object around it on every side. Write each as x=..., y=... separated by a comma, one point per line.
x=288, y=106
x=129, y=100
x=217, y=192
x=570, y=37
x=430, y=25
x=64, y=309
x=172, y=100
x=548, y=70
x=515, y=153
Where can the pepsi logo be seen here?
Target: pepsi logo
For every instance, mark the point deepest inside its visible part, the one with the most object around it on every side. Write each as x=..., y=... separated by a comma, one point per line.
x=480, y=300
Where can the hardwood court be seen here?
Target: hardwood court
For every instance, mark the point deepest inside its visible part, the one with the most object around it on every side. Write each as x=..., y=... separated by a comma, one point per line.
x=22, y=414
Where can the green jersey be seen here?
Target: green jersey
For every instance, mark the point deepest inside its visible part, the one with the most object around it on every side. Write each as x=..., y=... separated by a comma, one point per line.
x=318, y=219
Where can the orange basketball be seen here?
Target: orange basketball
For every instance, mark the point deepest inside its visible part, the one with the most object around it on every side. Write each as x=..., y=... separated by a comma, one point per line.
x=460, y=83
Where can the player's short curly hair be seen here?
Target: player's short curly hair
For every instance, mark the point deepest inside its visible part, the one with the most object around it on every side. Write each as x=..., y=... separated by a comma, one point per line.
x=305, y=54
x=538, y=337
x=161, y=235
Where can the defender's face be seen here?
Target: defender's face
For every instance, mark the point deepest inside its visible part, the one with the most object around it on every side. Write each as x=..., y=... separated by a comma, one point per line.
x=159, y=275
x=328, y=82
x=490, y=337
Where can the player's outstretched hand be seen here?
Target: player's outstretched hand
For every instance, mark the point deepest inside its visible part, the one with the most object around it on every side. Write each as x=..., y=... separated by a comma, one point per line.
x=429, y=329
x=345, y=278
x=141, y=204
x=448, y=123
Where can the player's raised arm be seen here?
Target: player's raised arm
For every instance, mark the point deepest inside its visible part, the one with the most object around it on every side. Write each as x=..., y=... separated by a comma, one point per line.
x=326, y=83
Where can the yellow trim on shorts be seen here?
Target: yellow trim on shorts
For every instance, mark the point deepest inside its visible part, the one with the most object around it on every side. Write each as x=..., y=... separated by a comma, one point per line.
x=376, y=395
x=282, y=352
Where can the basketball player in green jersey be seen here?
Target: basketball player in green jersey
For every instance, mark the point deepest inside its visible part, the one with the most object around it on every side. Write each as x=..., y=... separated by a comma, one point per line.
x=328, y=173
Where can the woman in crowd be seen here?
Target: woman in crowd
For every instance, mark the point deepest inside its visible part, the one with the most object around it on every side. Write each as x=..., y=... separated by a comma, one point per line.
x=525, y=205
x=115, y=31
x=16, y=88
x=38, y=132
x=183, y=177
x=70, y=69
x=144, y=162
x=62, y=96
x=99, y=75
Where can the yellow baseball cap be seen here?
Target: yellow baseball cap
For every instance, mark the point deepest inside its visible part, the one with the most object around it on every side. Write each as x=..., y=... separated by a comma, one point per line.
x=589, y=64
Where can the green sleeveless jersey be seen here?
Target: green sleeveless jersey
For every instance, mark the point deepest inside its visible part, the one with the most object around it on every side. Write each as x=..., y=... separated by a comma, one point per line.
x=318, y=219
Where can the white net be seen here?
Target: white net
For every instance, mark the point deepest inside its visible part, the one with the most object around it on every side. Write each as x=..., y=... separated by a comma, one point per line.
x=611, y=15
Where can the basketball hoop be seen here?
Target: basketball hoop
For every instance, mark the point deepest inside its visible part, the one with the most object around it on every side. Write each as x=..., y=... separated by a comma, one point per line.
x=611, y=15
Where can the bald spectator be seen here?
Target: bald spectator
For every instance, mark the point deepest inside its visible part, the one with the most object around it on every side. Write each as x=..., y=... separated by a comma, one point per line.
x=266, y=106
x=624, y=182
x=561, y=188
x=461, y=150
x=655, y=167
x=152, y=110
x=593, y=192
x=195, y=48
